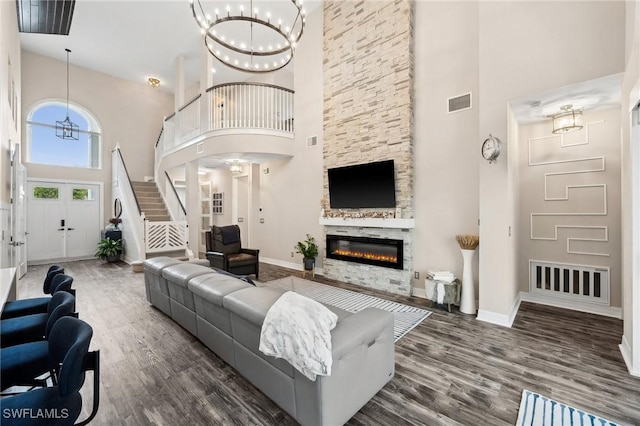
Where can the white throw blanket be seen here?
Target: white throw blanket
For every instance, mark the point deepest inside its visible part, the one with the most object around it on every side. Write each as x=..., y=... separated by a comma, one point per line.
x=298, y=330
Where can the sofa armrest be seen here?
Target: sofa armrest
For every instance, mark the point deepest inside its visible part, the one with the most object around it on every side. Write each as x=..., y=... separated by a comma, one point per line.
x=207, y=241
x=362, y=328
x=363, y=362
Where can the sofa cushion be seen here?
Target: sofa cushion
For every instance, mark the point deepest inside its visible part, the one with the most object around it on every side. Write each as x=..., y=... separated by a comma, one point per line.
x=252, y=304
x=241, y=259
x=157, y=264
x=214, y=287
x=182, y=273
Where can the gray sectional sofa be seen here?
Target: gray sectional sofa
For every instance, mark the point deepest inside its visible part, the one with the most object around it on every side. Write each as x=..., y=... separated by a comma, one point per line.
x=226, y=314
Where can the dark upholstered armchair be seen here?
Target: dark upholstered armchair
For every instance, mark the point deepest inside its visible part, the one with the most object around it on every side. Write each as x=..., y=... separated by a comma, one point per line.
x=224, y=251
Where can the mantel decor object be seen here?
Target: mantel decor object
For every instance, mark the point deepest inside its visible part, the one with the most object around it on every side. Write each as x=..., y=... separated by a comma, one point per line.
x=468, y=245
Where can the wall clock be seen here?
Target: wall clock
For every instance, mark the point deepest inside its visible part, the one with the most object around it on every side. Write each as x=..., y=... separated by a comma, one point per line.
x=491, y=148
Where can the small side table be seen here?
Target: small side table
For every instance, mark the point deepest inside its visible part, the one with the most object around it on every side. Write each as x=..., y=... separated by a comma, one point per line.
x=449, y=293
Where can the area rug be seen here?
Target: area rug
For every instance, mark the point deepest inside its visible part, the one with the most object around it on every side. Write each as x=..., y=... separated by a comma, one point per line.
x=405, y=318
x=538, y=410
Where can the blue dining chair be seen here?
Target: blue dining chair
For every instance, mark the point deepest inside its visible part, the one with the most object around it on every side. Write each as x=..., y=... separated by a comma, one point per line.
x=68, y=348
x=31, y=328
x=36, y=305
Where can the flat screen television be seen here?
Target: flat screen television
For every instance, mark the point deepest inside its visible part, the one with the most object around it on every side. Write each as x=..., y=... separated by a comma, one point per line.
x=362, y=186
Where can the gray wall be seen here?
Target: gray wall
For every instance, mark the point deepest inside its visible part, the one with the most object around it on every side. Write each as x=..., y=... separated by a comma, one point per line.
x=600, y=139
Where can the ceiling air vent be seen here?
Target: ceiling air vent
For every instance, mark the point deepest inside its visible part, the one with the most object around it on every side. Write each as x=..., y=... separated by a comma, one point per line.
x=45, y=16
x=312, y=141
x=459, y=103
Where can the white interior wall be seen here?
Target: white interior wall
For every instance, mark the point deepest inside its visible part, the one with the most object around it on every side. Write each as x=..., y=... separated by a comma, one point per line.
x=129, y=114
x=445, y=146
x=10, y=130
x=291, y=191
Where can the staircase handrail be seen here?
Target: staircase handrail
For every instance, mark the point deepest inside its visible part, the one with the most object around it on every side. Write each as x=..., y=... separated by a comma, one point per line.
x=126, y=172
x=133, y=229
x=159, y=137
x=175, y=193
x=249, y=83
x=195, y=98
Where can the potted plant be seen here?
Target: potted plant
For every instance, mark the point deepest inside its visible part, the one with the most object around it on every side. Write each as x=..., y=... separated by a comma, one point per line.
x=309, y=250
x=109, y=249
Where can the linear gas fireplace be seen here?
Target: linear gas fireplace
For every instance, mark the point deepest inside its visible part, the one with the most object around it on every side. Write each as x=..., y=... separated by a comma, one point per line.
x=371, y=251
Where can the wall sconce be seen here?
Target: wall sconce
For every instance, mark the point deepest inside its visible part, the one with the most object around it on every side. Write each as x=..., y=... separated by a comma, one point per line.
x=567, y=120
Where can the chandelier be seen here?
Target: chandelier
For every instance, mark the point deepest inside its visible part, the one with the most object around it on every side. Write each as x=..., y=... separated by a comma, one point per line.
x=567, y=120
x=249, y=39
x=67, y=129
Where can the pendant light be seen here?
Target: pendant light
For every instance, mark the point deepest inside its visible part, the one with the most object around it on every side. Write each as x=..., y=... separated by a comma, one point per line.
x=67, y=129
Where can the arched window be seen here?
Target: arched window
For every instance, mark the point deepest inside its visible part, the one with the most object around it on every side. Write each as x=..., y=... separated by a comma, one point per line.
x=44, y=147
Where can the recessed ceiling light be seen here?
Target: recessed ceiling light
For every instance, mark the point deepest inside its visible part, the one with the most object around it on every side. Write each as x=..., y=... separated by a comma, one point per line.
x=153, y=82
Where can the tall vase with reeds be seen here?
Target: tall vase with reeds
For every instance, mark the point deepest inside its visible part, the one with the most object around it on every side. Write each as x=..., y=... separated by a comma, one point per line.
x=468, y=245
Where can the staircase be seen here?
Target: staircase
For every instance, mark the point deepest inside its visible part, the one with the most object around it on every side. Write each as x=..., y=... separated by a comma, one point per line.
x=150, y=200
x=155, y=210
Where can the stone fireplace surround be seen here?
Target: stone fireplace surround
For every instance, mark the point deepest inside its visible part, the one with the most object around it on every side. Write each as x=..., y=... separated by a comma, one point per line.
x=368, y=63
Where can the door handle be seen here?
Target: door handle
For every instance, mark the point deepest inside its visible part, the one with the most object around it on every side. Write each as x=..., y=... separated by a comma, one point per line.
x=60, y=229
x=71, y=229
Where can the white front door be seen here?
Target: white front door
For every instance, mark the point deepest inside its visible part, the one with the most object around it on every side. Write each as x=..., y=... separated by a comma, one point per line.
x=63, y=220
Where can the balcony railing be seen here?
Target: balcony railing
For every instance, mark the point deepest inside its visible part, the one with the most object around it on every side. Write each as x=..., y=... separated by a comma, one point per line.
x=239, y=106
x=251, y=106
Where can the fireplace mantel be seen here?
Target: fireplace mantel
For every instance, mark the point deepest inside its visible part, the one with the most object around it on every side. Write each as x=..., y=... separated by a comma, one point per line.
x=368, y=222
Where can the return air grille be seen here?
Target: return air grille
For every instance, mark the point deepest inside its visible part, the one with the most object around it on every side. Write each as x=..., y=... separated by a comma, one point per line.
x=459, y=103
x=578, y=282
x=45, y=16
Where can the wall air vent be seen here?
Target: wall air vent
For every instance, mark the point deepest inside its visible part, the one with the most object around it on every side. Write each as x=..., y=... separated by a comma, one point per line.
x=459, y=103
x=199, y=147
x=312, y=141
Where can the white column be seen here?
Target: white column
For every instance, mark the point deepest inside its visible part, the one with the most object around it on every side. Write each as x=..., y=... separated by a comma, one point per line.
x=206, y=81
x=178, y=97
x=193, y=205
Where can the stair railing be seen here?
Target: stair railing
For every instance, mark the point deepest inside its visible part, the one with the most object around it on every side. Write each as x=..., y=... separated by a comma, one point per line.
x=173, y=201
x=133, y=228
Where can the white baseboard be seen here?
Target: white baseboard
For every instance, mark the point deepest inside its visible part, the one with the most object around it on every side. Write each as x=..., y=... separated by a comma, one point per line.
x=58, y=260
x=291, y=265
x=501, y=319
x=627, y=356
x=419, y=292
x=608, y=311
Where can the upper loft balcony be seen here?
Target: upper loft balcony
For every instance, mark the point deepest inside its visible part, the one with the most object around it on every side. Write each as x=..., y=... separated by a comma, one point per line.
x=229, y=119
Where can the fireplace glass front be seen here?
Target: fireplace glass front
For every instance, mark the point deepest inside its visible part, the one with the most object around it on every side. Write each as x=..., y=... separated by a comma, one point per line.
x=371, y=251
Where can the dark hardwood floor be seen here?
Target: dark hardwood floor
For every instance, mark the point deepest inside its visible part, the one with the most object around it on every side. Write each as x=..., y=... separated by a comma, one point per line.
x=450, y=370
